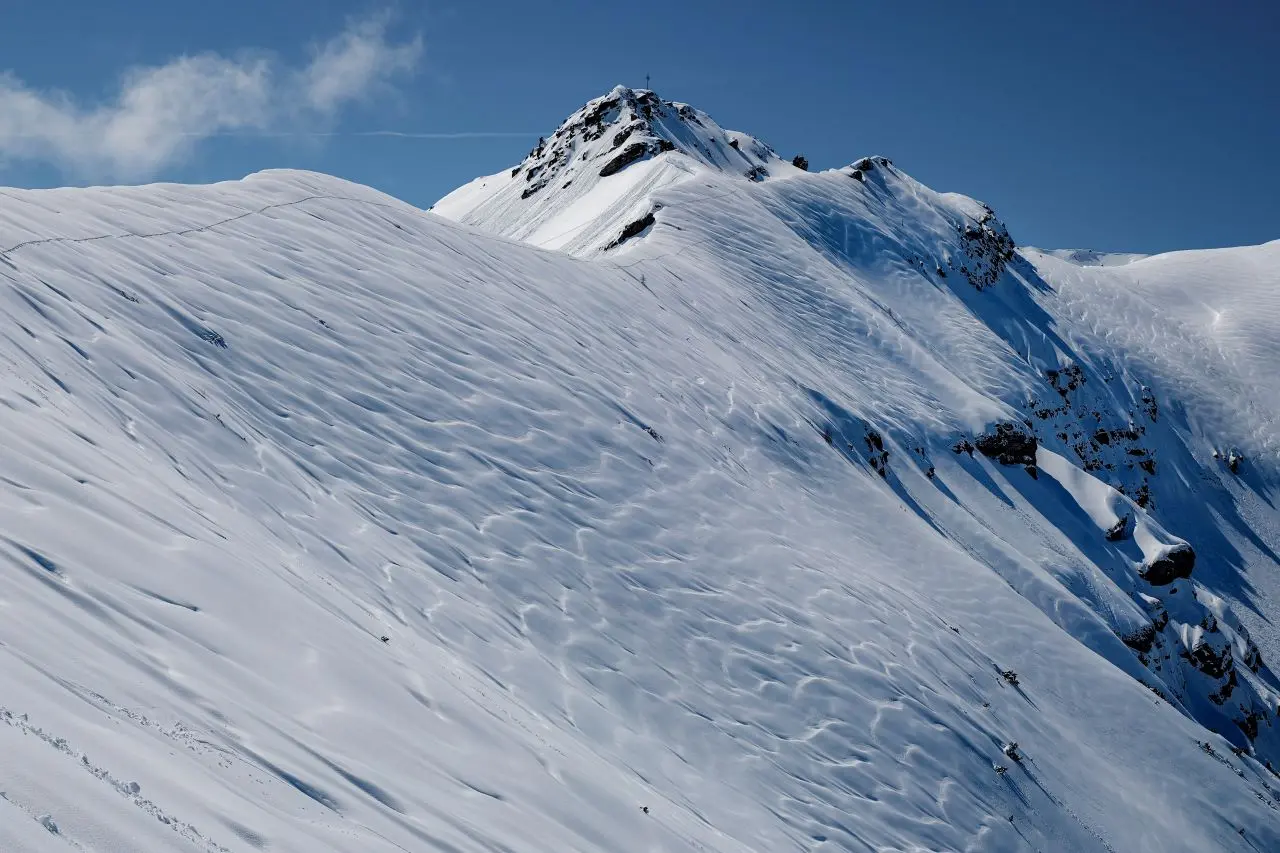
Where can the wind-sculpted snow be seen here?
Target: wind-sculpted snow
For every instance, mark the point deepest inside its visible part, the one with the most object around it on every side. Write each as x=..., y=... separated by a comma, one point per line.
x=333, y=525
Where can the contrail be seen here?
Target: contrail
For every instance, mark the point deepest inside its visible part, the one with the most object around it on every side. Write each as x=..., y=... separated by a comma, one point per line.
x=401, y=134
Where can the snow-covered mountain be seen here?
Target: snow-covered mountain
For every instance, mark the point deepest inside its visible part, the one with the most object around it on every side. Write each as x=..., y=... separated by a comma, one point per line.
x=591, y=185
x=772, y=510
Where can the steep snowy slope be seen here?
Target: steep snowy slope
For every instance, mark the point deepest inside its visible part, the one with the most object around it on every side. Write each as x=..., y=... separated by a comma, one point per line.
x=811, y=517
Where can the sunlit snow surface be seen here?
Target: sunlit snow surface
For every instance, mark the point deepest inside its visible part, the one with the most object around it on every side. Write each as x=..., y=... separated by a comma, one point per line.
x=615, y=521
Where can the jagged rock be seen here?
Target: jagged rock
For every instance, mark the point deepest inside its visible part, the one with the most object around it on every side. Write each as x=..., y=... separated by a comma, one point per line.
x=1174, y=564
x=857, y=175
x=1149, y=403
x=632, y=229
x=1066, y=380
x=1009, y=444
x=1229, y=686
x=1210, y=661
x=800, y=162
x=1142, y=639
x=876, y=453
x=622, y=135
x=988, y=248
x=1122, y=529
x=629, y=155
x=757, y=173
x=1249, y=724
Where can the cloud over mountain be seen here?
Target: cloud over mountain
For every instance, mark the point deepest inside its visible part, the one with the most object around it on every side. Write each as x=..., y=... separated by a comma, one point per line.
x=161, y=112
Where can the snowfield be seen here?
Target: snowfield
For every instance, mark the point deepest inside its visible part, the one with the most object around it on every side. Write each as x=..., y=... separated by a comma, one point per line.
x=706, y=504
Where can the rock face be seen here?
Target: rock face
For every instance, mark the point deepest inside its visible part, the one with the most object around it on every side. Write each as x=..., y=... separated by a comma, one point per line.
x=1103, y=423
x=987, y=249
x=627, y=126
x=1008, y=443
x=634, y=228
x=1175, y=564
x=1142, y=639
x=1122, y=529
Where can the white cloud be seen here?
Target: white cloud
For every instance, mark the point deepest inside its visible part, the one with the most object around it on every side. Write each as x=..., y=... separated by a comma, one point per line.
x=160, y=113
x=349, y=65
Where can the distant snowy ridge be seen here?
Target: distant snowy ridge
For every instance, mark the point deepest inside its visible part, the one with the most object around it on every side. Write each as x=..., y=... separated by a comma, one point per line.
x=812, y=514
x=1092, y=258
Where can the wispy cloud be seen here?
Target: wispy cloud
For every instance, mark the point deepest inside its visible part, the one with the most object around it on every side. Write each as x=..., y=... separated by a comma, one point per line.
x=160, y=113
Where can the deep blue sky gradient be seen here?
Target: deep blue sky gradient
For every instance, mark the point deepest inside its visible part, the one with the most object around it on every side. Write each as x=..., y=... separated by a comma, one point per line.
x=1130, y=125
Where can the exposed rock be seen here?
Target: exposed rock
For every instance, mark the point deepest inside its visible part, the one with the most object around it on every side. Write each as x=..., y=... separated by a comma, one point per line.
x=988, y=249
x=629, y=155
x=1142, y=639
x=876, y=453
x=632, y=229
x=1149, y=404
x=1210, y=661
x=1174, y=564
x=800, y=162
x=1009, y=444
x=1122, y=529
x=1249, y=724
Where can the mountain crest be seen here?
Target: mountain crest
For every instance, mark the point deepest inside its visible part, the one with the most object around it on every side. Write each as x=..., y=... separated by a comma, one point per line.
x=587, y=186
x=626, y=126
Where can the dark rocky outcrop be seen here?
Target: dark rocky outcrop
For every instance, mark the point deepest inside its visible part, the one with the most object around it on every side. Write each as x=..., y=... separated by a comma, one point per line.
x=1122, y=529
x=1174, y=564
x=1142, y=639
x=632, y=229
x=989, y=248
x=1210, y=661
x=800, y=162
x=628, y=155
x=877, y=455
x=1008, y=443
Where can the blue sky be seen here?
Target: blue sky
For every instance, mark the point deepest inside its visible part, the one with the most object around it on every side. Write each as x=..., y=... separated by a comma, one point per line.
x=1135, y=125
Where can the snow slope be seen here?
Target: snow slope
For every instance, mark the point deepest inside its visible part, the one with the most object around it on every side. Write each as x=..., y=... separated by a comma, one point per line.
x=729, y=537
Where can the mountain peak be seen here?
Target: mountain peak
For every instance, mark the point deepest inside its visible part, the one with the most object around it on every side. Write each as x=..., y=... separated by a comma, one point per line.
x=628, y=125
x=580, y=188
